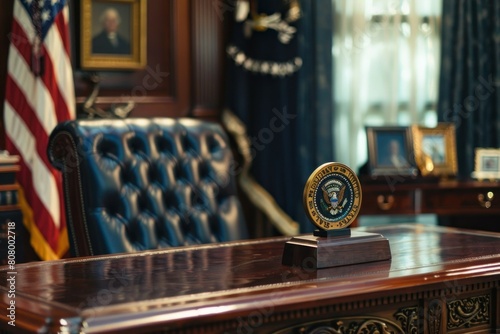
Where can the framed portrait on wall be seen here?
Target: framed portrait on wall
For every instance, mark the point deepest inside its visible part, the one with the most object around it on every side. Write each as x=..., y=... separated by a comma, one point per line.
x=390, y=151
x=487, y=164
x=435, y=149
x=113, y=34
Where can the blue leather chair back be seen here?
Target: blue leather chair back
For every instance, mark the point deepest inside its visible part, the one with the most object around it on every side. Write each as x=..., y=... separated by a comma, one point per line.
x=145, y=183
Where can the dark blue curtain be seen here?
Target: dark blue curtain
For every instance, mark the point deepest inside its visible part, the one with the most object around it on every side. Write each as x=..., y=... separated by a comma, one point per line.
x=279, y=83
x=469, y=81
x=315, y=98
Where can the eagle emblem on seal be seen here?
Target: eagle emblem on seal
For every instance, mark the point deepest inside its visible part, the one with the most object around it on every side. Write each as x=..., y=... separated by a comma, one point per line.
x=333, y=196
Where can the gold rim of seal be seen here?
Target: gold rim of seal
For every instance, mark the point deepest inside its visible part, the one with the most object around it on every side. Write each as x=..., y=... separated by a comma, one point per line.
x=311, y=188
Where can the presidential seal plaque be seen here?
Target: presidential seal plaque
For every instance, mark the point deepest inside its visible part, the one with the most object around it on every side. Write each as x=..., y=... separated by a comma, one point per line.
x=332, y=200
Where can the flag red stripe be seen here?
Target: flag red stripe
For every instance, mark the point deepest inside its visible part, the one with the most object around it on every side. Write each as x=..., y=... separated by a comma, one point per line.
x=20, y=41
x=61, y=111
x=63, y=30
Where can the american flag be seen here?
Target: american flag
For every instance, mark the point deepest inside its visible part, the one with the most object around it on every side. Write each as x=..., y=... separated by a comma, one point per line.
x=39, y=94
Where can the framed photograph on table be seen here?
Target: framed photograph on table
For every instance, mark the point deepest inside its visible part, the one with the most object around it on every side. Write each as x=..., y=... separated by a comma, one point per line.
x=113, y=34
x=390, y=151
x=435, y=150
x=487, y=164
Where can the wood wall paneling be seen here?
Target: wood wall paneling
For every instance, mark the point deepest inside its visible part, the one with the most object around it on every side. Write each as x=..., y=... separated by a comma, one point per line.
x=162, y=88
x=184, y=71
x=208, y=57
x=6, y=8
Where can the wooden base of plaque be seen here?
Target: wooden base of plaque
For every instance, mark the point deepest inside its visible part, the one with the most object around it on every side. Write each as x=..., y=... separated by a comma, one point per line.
x=333, y=251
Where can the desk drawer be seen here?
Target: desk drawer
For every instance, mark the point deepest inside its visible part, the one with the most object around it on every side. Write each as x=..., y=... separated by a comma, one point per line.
x=388, y=202
x=461, y=201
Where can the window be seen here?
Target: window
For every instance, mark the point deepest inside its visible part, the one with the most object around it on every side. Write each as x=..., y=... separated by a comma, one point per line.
x=386, y=69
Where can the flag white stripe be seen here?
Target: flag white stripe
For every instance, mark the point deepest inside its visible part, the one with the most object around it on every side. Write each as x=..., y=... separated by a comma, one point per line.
x=65, y=13
x=45, y=110
x=19, y=134
x=24, y=20
x=19, y=71
x=70, y=89
x=43, y=180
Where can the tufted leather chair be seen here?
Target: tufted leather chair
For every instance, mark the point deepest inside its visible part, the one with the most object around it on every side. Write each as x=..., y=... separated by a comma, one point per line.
x=136, y=184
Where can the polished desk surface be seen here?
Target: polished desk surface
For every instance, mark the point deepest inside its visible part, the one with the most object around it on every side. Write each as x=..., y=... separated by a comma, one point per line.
x=194, y=285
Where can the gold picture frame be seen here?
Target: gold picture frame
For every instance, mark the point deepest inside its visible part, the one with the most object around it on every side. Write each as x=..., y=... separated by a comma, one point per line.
x=390, y=151
x=435, y=150
x=486, y=164
x=124, y=46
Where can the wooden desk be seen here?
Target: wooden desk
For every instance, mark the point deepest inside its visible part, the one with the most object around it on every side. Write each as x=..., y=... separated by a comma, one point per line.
x=439, y=280
x=457, y=203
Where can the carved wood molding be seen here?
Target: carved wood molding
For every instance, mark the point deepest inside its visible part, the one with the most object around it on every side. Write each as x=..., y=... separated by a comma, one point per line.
x=434, y=316
x=462, y=313
x=468, y=312
x=347, y=325
x=408, y=318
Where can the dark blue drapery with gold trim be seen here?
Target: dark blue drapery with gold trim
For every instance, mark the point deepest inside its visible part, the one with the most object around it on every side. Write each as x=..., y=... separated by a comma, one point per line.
x=279, y=85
